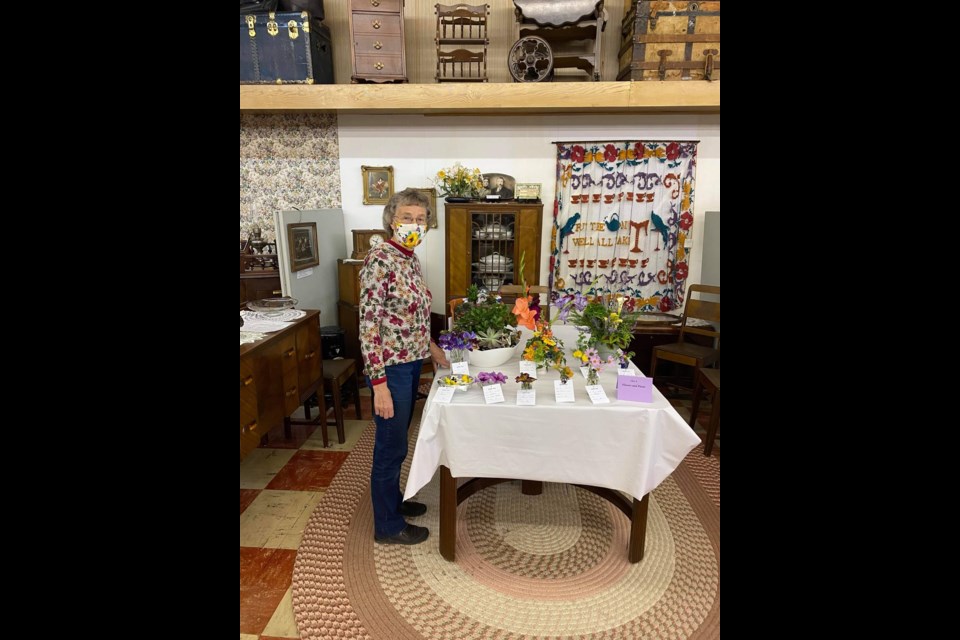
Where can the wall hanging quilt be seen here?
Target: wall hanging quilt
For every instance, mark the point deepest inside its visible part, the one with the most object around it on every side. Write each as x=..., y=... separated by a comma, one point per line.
x=623, y=213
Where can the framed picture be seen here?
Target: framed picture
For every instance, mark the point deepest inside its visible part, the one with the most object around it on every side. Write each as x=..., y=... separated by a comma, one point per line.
x=431, y=194
x=499, y=184
x=527, y=191
x=302, y=239
x=377, y=184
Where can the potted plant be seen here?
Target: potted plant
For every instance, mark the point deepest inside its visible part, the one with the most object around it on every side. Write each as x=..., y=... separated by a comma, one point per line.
x=494, y=325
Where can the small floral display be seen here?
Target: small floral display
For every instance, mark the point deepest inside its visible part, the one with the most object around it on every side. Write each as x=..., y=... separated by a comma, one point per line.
x=607, y=322
x=526, y=380
x=455, y=380
x=565, y=374
x=457, y=343
x=491, y=377
x=544, y=348
x=591, y=358
x=459, y=181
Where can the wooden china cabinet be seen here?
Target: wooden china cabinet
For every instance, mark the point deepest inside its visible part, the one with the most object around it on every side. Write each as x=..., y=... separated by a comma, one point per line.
x=485, y=242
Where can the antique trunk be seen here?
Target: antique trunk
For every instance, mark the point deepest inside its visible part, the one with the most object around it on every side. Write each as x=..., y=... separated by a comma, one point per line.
x=670, y=41
x=284, y=47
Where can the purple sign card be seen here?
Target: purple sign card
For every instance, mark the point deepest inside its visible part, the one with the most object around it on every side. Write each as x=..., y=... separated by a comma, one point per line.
x=635, y=388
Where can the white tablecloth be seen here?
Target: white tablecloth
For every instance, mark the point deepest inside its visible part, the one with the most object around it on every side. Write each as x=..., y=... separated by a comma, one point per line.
x=626, y=446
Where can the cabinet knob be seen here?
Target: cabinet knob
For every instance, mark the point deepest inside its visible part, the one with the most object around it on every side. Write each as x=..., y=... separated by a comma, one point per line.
x=289, y=352
x=290, y=392
x=247, y=381
x=378, y=45
x=250, y=427
x=375, y=3
x=309, y=355
x=376, y=24
x=378, y=66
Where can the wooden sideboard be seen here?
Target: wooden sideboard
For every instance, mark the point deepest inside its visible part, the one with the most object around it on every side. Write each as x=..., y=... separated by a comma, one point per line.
x=278, y=374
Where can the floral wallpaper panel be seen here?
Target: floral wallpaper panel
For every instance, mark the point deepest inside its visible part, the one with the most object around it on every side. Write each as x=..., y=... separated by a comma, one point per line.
x=286, y=161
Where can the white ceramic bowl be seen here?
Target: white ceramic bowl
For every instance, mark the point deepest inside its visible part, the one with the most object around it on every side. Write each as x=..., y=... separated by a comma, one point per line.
x=490, y=357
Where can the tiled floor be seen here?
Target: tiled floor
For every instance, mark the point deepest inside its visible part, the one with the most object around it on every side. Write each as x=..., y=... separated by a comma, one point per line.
x=280, y=484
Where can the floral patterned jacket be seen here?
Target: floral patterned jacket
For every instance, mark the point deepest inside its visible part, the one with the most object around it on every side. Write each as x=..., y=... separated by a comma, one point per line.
x=394, y=310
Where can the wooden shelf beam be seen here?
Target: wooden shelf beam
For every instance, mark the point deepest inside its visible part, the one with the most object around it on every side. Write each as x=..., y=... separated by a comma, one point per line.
x=488, y=98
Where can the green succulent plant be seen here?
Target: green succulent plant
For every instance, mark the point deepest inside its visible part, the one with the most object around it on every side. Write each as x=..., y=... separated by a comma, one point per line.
x=492, y=321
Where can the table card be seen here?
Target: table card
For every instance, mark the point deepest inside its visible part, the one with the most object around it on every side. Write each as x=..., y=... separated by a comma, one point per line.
x=635, y=389
x=460, y=367
x=624, y=372
x=444, y=395
x=597, y=394
x=563, y=392
x=528, y=366
x=585, y=371
x=526, y=397
x=493, y=393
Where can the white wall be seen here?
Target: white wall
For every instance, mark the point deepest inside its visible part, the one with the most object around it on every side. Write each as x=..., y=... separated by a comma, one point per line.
x=418, y=146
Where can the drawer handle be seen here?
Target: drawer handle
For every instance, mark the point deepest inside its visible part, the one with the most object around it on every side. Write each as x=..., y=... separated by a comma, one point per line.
x=277, y=292
x=375, y=3
x=379, y=66
x=309, y=355
x=378, y=45
x=289, y=352
x=292, y=391
x=376, y=24
x=248, y=381
x=250, y=427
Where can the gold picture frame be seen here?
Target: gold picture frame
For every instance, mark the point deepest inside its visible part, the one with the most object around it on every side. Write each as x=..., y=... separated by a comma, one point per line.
x=431, y=194
x=302, y=245
x=377, y=184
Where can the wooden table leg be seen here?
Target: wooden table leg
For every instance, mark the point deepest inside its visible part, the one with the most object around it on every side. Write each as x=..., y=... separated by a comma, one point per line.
x=638, y=528
x=531, y=487
x=448, y=514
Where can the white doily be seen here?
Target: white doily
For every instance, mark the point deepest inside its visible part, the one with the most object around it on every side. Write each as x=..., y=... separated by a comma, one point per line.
x=284, y=315
x=247, y=337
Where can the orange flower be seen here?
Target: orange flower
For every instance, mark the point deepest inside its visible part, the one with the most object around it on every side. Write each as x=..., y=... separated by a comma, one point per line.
x=524, y=315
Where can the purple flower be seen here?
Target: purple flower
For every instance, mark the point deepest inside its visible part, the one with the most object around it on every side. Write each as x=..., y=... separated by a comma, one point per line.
x=491, y=377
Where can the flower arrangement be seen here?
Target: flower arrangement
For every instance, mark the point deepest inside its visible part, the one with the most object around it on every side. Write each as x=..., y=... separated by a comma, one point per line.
x=565, y=374
x=608, y=324
x=488, y=318
x=544, y=348
x=591, y=358
x=459, y=380
x=457, y=343
x=491, y=377
x=526, y=381
x=458, y=181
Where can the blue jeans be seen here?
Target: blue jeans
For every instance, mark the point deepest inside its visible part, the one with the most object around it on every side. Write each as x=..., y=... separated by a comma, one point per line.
x=390, y=448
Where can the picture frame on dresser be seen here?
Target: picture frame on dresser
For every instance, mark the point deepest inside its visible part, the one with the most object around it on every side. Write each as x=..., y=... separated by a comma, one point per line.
x=431, y=194
x=377, y=184
x=302, y=238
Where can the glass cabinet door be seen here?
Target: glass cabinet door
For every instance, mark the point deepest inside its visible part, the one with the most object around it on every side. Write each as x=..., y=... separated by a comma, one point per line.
x=493, y=258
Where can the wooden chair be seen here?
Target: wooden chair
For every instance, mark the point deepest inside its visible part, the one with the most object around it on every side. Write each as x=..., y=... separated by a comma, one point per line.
x=685, y=352
x=510, y=292
x=337, y=373
x=710, y=380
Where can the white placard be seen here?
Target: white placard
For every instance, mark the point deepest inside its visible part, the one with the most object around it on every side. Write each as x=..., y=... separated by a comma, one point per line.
x=597, y=394
x=528, y=366
x=444, y=395
x=626, y=372
x=527, y=397
x=460, y=367
x=563, y=392
x=585, y=371
x=493, y=393
x=304, y=273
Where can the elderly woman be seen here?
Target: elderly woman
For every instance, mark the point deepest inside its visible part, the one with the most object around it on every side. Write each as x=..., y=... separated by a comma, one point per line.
x=395, y=338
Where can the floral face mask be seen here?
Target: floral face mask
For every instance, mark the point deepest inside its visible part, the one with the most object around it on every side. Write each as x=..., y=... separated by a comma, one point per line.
x=410, y=235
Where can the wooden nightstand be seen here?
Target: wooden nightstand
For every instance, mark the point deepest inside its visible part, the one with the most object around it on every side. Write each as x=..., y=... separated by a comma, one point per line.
x=376, y=44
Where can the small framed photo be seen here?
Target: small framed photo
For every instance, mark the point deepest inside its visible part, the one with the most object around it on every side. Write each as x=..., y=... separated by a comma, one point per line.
x=431, y=194
x=527, y=191
x=377, y=184
x=499, y=184
x=302, y=238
